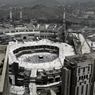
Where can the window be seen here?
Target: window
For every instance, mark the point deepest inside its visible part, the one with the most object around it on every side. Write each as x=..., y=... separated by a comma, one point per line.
x=30, y=30
x=82, y=89
x=78, y=70
x=21, y=30
x=80, y=83
x=6, y=31
x=88, y=68
x=77, y=91
x=84, y=82
x=31, y=35
x=86, y=76
x=84, y=69
x=82, y=77
x=16, y=30
x=57, y=79
x=86, y=89
x=79, y=78
x=12, y=31
x=26, y=30
x=17, y=35
x=24, y=37
x=50, y=80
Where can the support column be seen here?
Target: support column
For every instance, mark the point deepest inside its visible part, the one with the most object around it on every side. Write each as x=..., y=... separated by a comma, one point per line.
x=32, y=85
x=52, y=92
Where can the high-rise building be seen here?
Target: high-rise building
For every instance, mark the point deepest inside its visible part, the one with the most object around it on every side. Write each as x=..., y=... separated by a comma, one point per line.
x=78, y=75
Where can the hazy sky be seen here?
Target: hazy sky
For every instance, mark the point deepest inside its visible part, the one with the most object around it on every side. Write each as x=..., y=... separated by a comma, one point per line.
x=35, y=0
x=24, y=1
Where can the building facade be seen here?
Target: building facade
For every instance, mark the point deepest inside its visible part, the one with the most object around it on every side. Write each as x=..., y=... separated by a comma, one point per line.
x=78, y=75
x=35, y=67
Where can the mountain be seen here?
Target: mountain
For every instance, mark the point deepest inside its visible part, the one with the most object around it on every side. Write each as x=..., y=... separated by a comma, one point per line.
x=42, y=11
x=73, y=1
x=29, y=3
x=84, y=4
x=48, y=3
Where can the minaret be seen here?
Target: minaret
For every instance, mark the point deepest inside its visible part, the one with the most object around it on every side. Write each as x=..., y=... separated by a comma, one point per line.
x=21, y=13
x=11, y=15
x=64, y=16
x=64, y=23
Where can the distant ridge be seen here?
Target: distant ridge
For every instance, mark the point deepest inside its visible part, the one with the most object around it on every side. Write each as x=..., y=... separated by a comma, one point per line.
x=39, y=6
x=29, y=3
x=48, y=3
x=42, y=11
x=84, y=4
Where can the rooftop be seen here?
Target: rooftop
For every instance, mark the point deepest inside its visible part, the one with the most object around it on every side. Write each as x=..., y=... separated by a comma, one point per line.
x=79, y=59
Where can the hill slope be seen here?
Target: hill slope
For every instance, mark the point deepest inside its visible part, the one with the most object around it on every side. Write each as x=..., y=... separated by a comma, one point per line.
x=29, y=3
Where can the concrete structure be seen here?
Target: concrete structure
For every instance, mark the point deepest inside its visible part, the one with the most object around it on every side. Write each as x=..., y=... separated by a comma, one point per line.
x=4, y=84
x=78, y=75
x=35, y=67
x=30, y=32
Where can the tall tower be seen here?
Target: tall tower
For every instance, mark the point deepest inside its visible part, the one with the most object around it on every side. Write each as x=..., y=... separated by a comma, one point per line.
x=11, y=15
x=21, y=13
x=64, y=16
x=64, y=23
